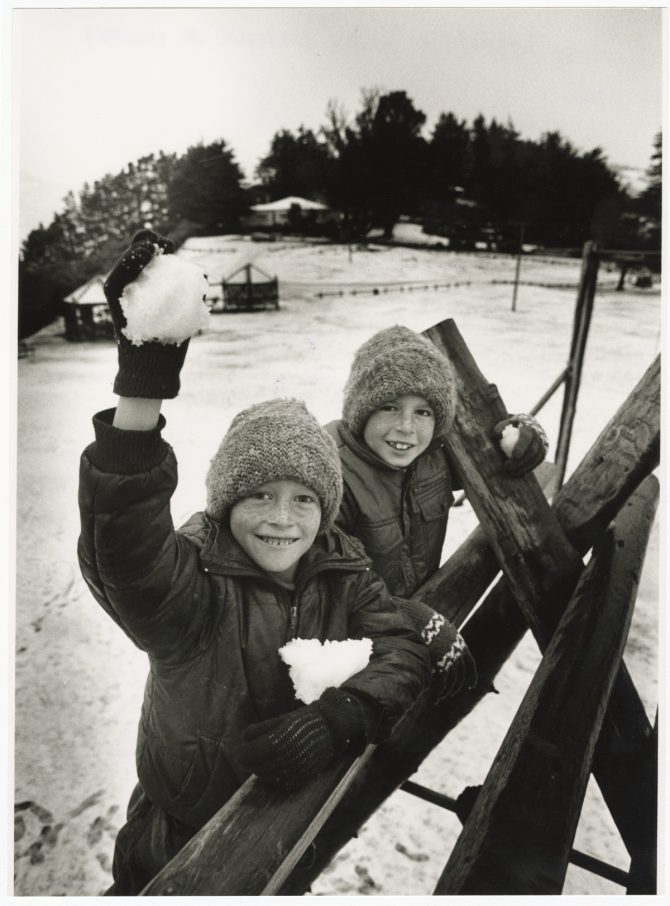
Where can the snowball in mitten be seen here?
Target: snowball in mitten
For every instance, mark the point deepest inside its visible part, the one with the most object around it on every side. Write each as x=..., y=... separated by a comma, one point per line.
x=152, y=369
x=165, y=302
x=523, y=441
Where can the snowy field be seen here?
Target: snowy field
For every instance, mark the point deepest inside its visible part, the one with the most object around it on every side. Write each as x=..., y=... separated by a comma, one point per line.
x=79, y=680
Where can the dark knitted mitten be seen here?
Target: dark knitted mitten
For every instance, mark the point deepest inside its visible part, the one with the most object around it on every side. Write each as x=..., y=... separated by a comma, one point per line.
x=453, y=666
x=288, y=750
x=531, y=446
x=152, y=369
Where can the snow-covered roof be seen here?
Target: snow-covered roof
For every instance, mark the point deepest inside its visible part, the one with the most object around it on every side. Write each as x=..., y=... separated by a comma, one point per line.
x=90, y=293
x=285, y=204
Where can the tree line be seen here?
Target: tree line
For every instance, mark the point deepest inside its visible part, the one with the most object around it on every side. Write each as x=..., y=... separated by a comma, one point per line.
x=463, y=181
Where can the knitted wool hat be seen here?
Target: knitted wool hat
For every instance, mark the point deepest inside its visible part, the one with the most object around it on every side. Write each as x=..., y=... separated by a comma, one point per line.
x=395, y=362
x=273, y=441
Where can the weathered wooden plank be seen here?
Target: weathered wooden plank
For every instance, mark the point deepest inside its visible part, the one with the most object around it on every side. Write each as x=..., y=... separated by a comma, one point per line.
x=643, y=866
x=627, y=450
x=471, y=568
x=530, y=544
x=248, y=846
x=585, y=505
x=517, y=838
x=311, y=830
x=626, y=760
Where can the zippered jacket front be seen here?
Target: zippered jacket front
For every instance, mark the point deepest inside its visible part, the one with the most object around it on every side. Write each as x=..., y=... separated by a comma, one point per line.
x=399, y=515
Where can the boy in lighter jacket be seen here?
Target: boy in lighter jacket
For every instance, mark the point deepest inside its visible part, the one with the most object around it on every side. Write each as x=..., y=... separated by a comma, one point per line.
x=398, y=480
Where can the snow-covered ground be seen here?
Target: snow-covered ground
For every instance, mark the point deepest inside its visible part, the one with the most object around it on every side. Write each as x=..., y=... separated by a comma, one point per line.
x=79, y=680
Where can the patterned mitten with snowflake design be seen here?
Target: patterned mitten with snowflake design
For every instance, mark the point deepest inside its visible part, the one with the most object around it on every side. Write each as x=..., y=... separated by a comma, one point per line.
x=453, y=666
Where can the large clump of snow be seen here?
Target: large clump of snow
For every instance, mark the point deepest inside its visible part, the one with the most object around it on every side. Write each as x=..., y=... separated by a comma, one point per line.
x=314, y=667
x=166, y=302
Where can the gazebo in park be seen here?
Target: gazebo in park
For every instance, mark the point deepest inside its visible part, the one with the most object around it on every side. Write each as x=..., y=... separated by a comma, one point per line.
x=249, y=288
x=86, y=312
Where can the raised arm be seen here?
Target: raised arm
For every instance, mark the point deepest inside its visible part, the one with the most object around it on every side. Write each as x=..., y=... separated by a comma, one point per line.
x=128, y=549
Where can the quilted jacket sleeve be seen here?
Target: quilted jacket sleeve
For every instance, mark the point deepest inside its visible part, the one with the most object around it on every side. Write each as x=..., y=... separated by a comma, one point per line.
x=399, y=669
x=143, y=573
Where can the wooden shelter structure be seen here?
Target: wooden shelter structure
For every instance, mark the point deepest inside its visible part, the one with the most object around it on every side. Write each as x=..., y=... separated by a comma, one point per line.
x=86, y=312
x=241, y=292
x=281, y=211
x=522, y=568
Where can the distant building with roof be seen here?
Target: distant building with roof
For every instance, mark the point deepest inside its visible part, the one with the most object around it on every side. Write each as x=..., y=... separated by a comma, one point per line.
x=288, y=211
x=86, y=312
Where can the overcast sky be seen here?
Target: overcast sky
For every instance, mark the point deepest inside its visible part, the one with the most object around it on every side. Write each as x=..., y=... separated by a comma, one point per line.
x=96, y=88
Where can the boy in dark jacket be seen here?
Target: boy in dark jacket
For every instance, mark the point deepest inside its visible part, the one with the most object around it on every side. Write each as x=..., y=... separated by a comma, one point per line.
x=399, y=483
x=213, y=602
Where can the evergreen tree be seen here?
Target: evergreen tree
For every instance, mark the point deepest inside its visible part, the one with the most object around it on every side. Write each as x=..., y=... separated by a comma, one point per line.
x=649, y=204
x=204, y=190
x=296, y=165
x=396, y=159
x=450, y=156
x=380, y=171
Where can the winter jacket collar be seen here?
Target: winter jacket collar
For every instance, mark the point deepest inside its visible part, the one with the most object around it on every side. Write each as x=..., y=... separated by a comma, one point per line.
x=220, y=552
x=358, y=446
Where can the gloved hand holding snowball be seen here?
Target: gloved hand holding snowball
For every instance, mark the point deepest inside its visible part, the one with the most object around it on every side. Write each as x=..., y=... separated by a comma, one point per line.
x=286, y=751
x=157, y=303
x=523, y=441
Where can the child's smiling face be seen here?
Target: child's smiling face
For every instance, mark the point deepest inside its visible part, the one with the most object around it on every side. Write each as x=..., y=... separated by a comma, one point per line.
x=400, y=430
x=276, y=525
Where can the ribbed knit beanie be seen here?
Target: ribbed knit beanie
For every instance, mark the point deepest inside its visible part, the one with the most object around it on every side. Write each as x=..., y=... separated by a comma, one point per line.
x=273, y=441
x=395, y=362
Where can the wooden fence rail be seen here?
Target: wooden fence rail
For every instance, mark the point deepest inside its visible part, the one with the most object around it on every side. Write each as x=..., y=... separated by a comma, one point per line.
x=251, y=844
x=518, y=836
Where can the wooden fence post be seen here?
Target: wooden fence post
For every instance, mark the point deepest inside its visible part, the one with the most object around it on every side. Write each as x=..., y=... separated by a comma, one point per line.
x=539, y=562
x=518, y=268
x=582, y=321
x=518, y=836
x=470, y=569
